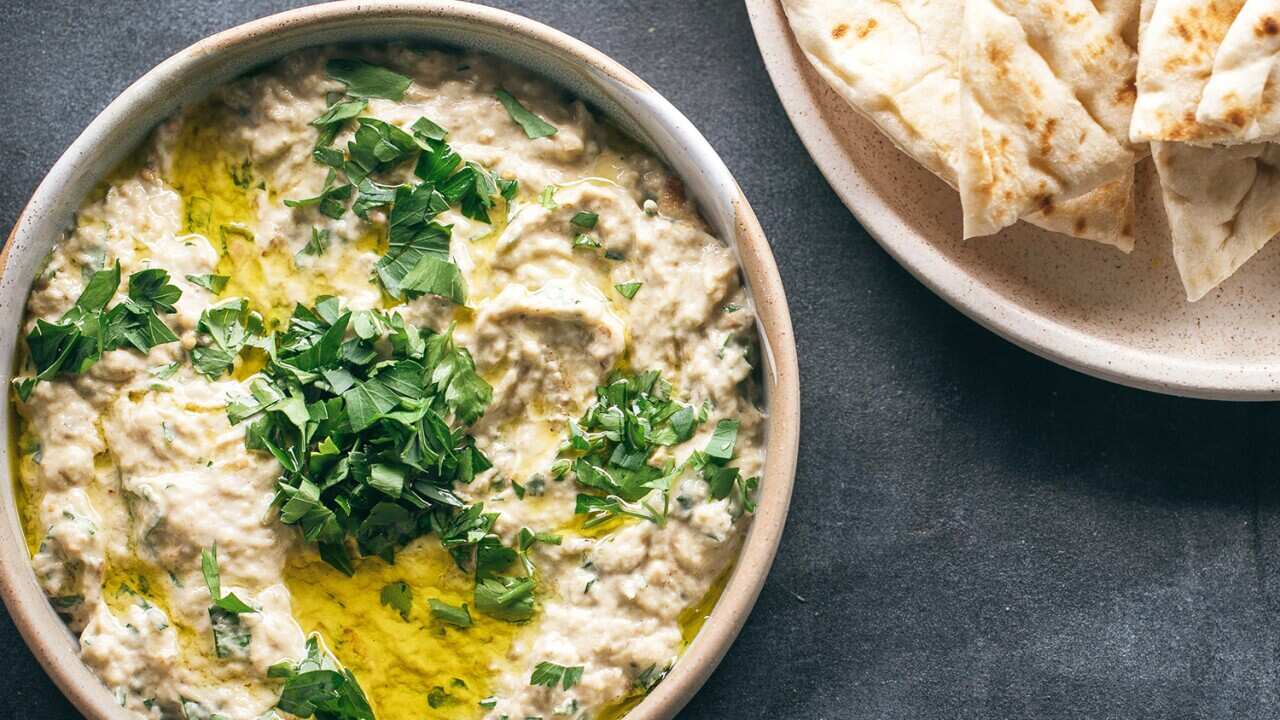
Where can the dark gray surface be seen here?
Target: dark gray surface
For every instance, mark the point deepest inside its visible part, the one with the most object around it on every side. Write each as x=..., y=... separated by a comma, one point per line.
x=976, y=533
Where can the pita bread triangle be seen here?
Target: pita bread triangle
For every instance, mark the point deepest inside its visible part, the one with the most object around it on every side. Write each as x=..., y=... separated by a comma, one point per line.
x=897, y=64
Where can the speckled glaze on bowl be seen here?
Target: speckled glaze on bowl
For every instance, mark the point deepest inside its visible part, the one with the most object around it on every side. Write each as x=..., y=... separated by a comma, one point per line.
x=604, y=84
x=1122, y=318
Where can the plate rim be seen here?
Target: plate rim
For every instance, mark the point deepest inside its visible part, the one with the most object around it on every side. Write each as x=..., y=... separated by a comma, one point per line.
x=1104, y=359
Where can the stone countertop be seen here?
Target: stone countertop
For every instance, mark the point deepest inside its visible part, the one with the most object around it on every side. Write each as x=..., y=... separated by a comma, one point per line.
x=975, y=533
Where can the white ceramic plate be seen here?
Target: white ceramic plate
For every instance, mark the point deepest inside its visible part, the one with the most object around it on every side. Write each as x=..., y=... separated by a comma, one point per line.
x=1119, y=317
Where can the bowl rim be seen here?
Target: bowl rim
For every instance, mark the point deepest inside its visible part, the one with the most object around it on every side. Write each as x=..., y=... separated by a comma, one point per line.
x=46, y=634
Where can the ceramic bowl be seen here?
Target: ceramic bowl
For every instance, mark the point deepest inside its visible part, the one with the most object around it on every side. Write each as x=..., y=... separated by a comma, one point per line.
x=601, y=82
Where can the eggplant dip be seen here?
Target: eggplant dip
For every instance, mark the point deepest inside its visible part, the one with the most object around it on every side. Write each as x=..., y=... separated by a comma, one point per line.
x=386, y=383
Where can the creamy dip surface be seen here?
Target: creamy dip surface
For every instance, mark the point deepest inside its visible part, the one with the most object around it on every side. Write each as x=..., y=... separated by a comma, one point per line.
x=131, y=472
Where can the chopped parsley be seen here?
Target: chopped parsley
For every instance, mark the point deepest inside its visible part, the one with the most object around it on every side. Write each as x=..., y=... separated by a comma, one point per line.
x=230, y=636
x=506, y=598
x=365, y=438
x=582, y=240
x=164, y=372
x=398, y=596
x=417, y=259
x=458, y=616
x=225, y=329
x=723, y=479
x=547, y=198
x=628, y=290
x=585, y=220
x=549, y=674
x=534, y=127
x=213, y=580
x=371, y=434
x=609, y=449
x=213, y=283
x=318, y=244
x=437, y=697
x=77, y=341
x=525, y=541
x=649, y=678
x=367, y=81
x=318, y=687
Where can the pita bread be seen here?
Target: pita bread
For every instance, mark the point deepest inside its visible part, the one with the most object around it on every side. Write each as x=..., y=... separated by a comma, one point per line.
x=1029, y=137
x=1178, y=46
x=914, y=99
x=1240, y=97
x=1223, y=206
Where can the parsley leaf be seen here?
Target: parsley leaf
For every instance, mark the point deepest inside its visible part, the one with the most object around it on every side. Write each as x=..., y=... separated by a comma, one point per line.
x=723, y=479
x=398, y=595
x=585, y=220
x=628, y=290
x=318, y=244
x=329, y=202
x=433, y=276
x=318, y=687
x=548, y=197
x=212, y=580
x=367, y=81
x=341, y=111
x=437, y=697
x=449, y=614
x=230, y=636
x=506, y=598
x=213, y=283
x=534, y=127
x=150, y=290
x=228, y=327
x=549, y=674
x=428, y=130
x=720, y=447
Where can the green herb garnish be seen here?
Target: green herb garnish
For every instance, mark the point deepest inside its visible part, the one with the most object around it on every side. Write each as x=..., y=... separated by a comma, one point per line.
x=608, y=450
x=318, y=687
x=450, y=614
x=628, y=290
x=365, y=438
x=212, y=580
x=547, y=198
x=164, y=372
x=398, y=596
x=230, y=636
x=367, y=81
x=582, y=240
x=585, y=220
x=370, y=432
x=534, y=127
x=549, y=674
x=428, y=130
x=76, y=342
x=318, y=244
x=417, y=260
x=437, y=697
x=213, y=283
x=227, y=327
